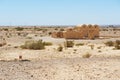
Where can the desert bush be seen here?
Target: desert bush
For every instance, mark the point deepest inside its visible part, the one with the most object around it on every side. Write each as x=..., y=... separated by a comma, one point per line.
x=28, y=37
x=15, y=46
x=109, y=43
x=60, y=48
x=99, y=51
x=8, y=36
x=80, y=44
x=20, y=57
x=87, y=55
x=56, y=28
x=9, y=44
x=92, y=47
x=18, y=34
x=75, y=50
x=36, y=35
x=69, y=44
x=34, y=45
x=117, y=44
x=62, y=29
x=5, y=29
x=2, y=44
x=99, y=47
x=19, y=28
x=50, y=33
x=47, y=43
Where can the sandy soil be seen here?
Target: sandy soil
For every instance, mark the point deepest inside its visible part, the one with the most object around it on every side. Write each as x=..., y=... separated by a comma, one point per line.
x=62, y=69
x=49, y=64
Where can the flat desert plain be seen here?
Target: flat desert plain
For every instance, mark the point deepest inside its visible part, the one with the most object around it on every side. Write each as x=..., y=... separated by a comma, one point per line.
x=80, y=62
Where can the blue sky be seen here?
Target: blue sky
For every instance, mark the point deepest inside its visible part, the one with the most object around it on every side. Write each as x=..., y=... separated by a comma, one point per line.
x=59, y=12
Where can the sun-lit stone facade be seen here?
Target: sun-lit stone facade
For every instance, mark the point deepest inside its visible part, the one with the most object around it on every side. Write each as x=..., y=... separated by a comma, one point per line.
x=79, y=32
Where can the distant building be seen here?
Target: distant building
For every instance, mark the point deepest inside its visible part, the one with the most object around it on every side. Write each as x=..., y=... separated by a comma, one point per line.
x=79, y=32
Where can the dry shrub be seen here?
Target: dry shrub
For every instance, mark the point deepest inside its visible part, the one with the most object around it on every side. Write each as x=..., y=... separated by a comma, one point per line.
x=80, y=44
x=99, y=47
x=87, y=55
x=69, y=44
x=15, y=46
x=117, y=47
x=60, y=48
x=99, y=51
x=9, y=44
x=28, y=37
x=36, y=35
x=56, y=28
x=19, y=28
x=2, y=44
x=47, y=43
x=109, y=43
x=34, y=45
x=91, y=46
x=62, y=29
x=116, y=44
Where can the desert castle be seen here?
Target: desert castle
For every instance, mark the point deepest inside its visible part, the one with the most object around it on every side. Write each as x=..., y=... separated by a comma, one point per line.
x=79, y=32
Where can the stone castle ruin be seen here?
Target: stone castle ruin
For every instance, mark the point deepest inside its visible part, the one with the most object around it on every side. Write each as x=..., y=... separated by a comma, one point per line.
x=79, y=32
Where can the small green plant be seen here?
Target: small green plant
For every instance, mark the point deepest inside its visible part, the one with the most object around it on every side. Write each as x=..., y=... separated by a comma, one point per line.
x=60, y=48
x=69, y=44
x=87, y=55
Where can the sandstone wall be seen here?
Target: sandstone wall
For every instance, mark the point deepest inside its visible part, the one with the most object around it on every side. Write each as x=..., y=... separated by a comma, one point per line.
x=84, y=31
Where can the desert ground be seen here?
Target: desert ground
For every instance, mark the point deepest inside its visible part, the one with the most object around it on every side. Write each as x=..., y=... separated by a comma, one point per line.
x=91, y=60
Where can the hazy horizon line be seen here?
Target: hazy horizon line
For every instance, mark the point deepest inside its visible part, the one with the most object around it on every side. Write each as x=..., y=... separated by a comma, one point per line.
x=63, y=25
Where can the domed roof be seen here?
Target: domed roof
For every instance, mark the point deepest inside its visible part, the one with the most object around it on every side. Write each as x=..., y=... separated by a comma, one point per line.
x=82, y=25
